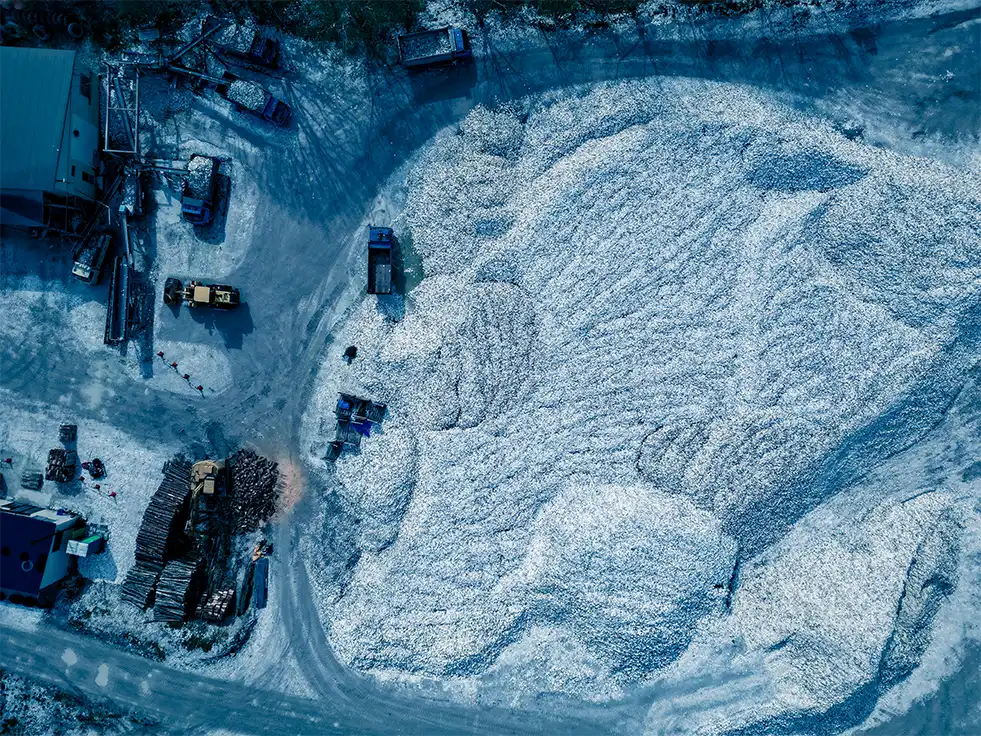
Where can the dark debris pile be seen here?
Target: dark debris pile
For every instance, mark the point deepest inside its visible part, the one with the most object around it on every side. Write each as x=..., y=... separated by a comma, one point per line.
x=254, y=490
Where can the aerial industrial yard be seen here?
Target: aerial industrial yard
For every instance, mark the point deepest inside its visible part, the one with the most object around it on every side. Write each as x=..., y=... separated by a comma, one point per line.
x=491, y=368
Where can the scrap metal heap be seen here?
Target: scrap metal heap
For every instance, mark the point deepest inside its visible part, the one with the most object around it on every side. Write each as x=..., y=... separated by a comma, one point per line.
x=254, y=490
x=62, y=465
x=159, y=521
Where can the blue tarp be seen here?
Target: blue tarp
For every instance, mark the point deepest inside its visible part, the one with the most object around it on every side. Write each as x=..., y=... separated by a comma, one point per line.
x=260, y=583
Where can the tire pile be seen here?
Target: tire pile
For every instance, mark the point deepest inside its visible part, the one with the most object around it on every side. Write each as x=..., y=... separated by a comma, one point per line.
x=254, y=490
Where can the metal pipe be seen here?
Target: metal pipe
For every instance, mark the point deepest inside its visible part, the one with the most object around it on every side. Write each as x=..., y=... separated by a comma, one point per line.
x=187, y=47
x=126, y=126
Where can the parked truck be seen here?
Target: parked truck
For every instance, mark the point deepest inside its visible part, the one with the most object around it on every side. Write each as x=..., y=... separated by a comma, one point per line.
x=250, y=97
x=198, y=294
x=440, y=46
x=380, y=260
x=241, y=46
x=200, y=188
x=89, y=258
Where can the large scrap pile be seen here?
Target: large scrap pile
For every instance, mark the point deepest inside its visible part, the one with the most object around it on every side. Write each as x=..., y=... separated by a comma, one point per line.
x=254, y=490
x=159, y=521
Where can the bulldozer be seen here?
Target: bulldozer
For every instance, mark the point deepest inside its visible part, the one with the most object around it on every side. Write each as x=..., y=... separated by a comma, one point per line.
x=198, y=294
x=207, y=477
x=207, y=480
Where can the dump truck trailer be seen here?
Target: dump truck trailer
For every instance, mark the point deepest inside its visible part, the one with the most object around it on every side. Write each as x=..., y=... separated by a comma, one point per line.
x=200, y=187
x=249, y=96
x=440, y=46
x=198, y=294
x=380, y=260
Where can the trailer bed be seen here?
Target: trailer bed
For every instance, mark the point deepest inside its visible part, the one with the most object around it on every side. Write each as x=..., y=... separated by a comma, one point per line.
x=426, y=45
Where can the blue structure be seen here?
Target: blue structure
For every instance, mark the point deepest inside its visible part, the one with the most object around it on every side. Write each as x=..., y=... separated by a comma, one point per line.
x=260, y=585
x=34, y=549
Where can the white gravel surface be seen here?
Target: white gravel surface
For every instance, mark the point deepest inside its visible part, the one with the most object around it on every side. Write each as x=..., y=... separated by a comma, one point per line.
x=649, y=312
x=132, y=472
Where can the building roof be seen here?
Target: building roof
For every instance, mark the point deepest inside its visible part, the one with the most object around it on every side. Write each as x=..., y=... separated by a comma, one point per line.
x=35, y=87
x=24, y=545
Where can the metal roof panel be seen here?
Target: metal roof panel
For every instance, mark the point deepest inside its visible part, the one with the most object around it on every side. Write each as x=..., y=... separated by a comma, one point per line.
x=35, y=87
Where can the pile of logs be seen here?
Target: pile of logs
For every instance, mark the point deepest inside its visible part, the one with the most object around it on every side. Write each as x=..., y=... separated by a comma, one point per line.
x=254, y=490
x=174, y=591
x=160, y=519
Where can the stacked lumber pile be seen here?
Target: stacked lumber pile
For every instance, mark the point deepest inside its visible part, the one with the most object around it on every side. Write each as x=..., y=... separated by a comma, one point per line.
x=254, y=490
x=175, y=591
x=159, y=520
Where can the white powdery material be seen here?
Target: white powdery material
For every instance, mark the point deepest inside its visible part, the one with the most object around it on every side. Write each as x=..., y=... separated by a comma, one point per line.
x=814, y=625
x=378, y=483
x=670, y=561
x=843, y=600
x=639, y=292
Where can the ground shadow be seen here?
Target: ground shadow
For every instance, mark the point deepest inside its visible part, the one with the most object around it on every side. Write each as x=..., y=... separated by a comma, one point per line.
x=233, y=325
x=443, y=83
x=214, y=231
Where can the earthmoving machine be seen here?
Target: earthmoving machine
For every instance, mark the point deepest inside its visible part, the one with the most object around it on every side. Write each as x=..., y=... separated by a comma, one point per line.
x=90, y=256
x=380, y=260
x=207, y=480
x=198, y=294
x=200, y=188
x=207, y=477
x=440, y=46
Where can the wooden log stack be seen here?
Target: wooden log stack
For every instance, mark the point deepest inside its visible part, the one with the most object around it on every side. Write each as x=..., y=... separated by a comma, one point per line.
x=175, y=590
x=160, y=520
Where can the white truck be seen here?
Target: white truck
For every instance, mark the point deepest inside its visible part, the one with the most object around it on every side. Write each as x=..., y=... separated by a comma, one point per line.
x=90, y=256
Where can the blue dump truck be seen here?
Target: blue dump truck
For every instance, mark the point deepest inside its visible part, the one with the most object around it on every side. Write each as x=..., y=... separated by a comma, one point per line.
x=200, y=185
x=380, y=260
x=240, y=45
x=441, y=46
x=250, y=97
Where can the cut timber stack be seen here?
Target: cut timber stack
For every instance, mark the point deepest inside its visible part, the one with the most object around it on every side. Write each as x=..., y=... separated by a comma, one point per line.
x=174, y=591
x=254, y=490
x=159, y=521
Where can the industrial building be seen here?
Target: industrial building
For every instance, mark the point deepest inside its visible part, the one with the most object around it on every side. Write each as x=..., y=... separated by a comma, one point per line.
x=49, y=139
x=34, y=549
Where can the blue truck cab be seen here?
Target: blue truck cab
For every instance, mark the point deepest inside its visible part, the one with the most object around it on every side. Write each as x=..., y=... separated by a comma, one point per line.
x=276, y=111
